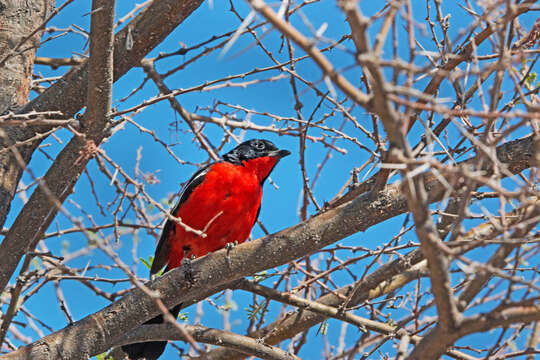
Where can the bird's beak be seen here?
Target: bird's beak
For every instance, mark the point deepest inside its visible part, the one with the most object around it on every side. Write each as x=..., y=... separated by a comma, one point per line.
x=280, y=153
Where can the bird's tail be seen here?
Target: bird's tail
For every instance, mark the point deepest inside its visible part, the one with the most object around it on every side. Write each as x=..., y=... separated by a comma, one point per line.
x=153, y=349
x=150, y=350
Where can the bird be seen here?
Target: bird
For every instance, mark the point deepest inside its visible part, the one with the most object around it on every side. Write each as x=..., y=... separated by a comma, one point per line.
x=223, y=200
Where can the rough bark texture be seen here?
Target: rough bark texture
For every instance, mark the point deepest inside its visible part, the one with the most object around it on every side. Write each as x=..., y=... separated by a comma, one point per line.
x=97, y=332
x=18, y=19
x=517, y=155
x=69, y=95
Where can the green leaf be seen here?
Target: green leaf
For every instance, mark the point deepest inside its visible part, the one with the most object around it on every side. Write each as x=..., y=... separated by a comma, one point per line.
x=261, y=276
x=36, y=263
x=256, y=311
x=103, y=356
x=230, y=305
x=148, y=263
x=531, y=78
x=93, y=238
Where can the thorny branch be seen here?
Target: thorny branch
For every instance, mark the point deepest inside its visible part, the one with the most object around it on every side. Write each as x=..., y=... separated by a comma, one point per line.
x=417, y=134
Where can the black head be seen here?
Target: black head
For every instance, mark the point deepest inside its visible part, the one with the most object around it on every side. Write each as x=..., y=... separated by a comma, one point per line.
x=253, y=149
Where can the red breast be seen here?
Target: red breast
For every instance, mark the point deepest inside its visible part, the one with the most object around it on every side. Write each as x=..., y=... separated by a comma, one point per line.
x=224, y=206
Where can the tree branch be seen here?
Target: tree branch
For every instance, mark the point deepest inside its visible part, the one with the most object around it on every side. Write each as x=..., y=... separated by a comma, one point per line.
x=15, y=75
x=93, y=334
x=433, y=86
x=97, y=115
x=244, y=344
x=383, y=280
x=437, y=339
x=431, y=244
x=430, y=347
x=68, y=96
x=328, y=311
x=309, y=47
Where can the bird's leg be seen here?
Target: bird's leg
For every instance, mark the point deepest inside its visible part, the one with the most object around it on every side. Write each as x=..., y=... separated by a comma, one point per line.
x=188, y=269
x=229, y=246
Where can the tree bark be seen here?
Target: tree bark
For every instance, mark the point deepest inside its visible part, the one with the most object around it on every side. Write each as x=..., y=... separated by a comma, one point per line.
x=18, y=19
x=97, y=332
x=68, y=95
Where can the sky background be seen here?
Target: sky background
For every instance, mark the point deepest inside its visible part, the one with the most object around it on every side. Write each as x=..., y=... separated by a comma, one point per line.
x=280, y=205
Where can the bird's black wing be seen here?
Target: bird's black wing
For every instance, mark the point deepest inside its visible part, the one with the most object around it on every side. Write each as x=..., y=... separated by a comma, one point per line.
x=163, y=247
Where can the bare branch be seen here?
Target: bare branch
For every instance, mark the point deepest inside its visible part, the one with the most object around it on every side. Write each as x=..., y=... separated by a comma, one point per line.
x=309, y=47
x=244, y=344
x=24, y=233
x=68, y=95
x=218, y=269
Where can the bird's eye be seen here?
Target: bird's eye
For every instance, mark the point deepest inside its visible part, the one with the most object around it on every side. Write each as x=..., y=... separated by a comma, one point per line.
x=259, y=145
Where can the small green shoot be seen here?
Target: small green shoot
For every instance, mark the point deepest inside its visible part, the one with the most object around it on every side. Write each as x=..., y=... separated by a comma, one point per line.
x=148, y=263
x=256, y=311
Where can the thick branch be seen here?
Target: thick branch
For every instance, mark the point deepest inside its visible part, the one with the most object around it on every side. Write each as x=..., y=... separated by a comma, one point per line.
x=436, y=340
x=100, y=69
x=414, y=187
x=68, y=96
x=431, y=244
x=387, y=278
x=380, y=103
x=94, y=334
x=99, y=105
x=17, y=22
x=147, y=30
x=244, y=344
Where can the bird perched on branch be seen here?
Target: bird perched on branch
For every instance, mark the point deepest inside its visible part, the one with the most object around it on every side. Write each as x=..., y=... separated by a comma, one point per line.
x=222, y=200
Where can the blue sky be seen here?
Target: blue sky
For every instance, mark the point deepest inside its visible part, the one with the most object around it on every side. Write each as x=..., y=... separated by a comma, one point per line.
x=280, y=206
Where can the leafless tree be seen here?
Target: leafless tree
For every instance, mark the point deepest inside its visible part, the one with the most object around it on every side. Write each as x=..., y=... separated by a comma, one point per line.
x=437, y=116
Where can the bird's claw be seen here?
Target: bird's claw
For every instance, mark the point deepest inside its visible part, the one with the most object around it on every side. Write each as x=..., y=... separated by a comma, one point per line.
x=188, y=270
x=229, y=246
